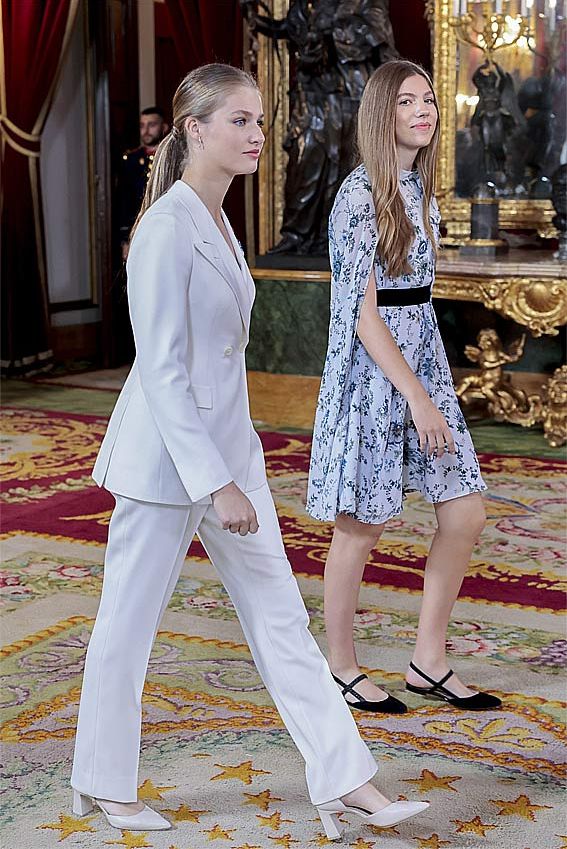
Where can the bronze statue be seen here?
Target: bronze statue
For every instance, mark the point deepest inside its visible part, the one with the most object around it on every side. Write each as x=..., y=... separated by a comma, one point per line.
x=559, y=200
x=335, y=45
x=497, y=117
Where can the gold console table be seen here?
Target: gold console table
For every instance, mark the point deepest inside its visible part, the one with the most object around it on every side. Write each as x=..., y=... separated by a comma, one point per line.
x=529, y=287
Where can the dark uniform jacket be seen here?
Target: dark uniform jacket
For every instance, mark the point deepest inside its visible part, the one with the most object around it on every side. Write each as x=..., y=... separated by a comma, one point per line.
x=132, y=178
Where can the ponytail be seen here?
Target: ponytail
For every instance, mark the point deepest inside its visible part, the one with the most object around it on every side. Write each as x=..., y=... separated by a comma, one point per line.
x=198, y=95
x=167, y=167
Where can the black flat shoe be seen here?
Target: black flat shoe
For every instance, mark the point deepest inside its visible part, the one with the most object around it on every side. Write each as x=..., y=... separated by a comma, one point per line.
x=480, y=701
x=387, y=705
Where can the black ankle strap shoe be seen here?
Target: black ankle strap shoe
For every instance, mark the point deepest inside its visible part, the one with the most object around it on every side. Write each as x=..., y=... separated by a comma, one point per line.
x=387, y=705
x=479, y=701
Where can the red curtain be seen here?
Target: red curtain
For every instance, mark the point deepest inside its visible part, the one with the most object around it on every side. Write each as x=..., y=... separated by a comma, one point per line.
x=411, y=31
x=34, y=35
x=206, y=31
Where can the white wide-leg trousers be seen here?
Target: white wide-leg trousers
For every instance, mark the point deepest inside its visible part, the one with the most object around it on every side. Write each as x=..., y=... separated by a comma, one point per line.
x=146, y=548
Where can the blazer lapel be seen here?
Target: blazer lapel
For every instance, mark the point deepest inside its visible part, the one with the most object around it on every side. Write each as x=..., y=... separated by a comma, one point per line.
x=244, y=270
x=214, y=248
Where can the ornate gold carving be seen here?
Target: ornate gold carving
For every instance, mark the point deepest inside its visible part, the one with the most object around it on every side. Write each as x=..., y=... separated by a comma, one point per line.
x=540, y=305
x=273, y=80
x=505, y=401
x=555, y=408
x=455, y=212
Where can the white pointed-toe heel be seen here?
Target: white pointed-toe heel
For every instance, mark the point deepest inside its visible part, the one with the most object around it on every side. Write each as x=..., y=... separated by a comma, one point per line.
x=391, y=815
x=145, y=820
x=82, y=805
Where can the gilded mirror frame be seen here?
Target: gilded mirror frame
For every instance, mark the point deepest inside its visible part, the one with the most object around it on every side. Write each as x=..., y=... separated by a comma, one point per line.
x=455, y=211
x=272, y=73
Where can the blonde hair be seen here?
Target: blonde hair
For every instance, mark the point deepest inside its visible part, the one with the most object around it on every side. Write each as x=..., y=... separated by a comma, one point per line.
x=198, y=95
x=376, y=140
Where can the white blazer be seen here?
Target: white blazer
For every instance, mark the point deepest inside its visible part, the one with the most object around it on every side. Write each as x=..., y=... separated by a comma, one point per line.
x=181, y=426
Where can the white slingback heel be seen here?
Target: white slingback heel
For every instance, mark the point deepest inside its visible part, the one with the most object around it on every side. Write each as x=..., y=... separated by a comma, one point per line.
x=392, y=814
x=146, y=820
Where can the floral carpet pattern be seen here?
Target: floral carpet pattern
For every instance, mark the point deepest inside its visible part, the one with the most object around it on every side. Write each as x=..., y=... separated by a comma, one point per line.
x=216, y=759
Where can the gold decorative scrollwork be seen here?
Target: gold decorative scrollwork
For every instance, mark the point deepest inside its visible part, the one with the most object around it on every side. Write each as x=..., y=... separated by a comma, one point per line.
x=507, y=402
x=540, y=305
x=554, y=415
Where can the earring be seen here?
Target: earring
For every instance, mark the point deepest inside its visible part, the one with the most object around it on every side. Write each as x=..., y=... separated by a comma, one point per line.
x=201, y=145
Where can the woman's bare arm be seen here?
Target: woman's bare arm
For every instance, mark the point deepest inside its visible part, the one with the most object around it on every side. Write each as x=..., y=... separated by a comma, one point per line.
x=434, y=433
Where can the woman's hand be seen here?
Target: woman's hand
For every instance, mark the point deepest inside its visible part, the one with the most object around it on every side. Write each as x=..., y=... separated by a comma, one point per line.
x=434, y=434
x=235, y=510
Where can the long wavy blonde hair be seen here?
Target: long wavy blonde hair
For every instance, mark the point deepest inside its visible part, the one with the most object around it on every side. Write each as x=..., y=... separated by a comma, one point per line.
x=376, y=140
x=198, y=95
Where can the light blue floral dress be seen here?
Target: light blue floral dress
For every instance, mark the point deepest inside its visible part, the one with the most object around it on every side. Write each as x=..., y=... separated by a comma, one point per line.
x=365, y=455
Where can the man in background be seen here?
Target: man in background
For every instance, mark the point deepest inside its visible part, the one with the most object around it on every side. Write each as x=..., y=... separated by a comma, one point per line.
x=135, y=169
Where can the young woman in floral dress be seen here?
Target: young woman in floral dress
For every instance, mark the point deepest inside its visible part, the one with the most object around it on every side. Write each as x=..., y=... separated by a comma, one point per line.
x=388, y=421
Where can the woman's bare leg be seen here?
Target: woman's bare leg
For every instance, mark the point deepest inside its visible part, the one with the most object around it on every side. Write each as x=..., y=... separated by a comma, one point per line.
x=350, y=547
x=459, y=524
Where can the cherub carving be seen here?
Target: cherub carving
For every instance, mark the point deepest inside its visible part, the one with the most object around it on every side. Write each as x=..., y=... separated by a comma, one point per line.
x=505, y=401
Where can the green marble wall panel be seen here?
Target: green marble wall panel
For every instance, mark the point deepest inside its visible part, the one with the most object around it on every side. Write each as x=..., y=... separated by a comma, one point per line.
x=290, y=320
x=289, y=327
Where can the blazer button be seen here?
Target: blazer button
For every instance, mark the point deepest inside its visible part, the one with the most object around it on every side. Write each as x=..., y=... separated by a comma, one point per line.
x=228, y=351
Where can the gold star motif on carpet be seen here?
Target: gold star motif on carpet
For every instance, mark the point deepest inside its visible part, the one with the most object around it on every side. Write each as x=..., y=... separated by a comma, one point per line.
x=285, y=840
x=69, y=825
x=243, y=772
x=520, y=807
x=148, y=790
x=362, y=844
x=432, y=842
x=131, y=840
x=184, y=814
x=429, y=781
x=218, y=833
x=274, y=821
x=475, y=826
x=261, y=800
x=321, y=840
x=246, y=846
x=378, y=829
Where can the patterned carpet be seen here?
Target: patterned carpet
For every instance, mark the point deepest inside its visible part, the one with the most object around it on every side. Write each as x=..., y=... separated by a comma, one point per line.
x=216, y=757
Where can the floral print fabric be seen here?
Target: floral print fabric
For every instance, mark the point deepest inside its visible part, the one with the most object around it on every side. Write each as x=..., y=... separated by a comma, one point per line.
x=365, y=455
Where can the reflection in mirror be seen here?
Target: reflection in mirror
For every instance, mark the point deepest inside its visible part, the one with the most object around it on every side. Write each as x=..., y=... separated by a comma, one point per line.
x=510, y=96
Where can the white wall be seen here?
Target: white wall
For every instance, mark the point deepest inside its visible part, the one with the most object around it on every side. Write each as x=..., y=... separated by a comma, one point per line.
x=64, y=184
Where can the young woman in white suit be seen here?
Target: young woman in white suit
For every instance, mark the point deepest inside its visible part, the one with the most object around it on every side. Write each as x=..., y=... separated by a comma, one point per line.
x=181, y=456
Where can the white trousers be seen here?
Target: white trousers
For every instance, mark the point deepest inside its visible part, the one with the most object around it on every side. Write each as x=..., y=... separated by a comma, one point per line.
x=147, y=544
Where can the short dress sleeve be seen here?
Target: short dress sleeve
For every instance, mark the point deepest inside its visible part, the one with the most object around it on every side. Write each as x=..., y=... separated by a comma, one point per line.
x=353, y=239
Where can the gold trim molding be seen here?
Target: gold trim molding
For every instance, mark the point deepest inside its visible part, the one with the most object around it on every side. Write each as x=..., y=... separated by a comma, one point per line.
x=455, y=211
x=273, y=80
x=540, y=305
x=285, y=274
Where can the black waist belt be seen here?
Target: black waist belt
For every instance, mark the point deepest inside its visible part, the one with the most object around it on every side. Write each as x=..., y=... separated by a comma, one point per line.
x=403, y=297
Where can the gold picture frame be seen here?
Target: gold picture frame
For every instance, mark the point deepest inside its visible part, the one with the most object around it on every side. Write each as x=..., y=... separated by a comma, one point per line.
x=272, y=71
x=521, y=213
